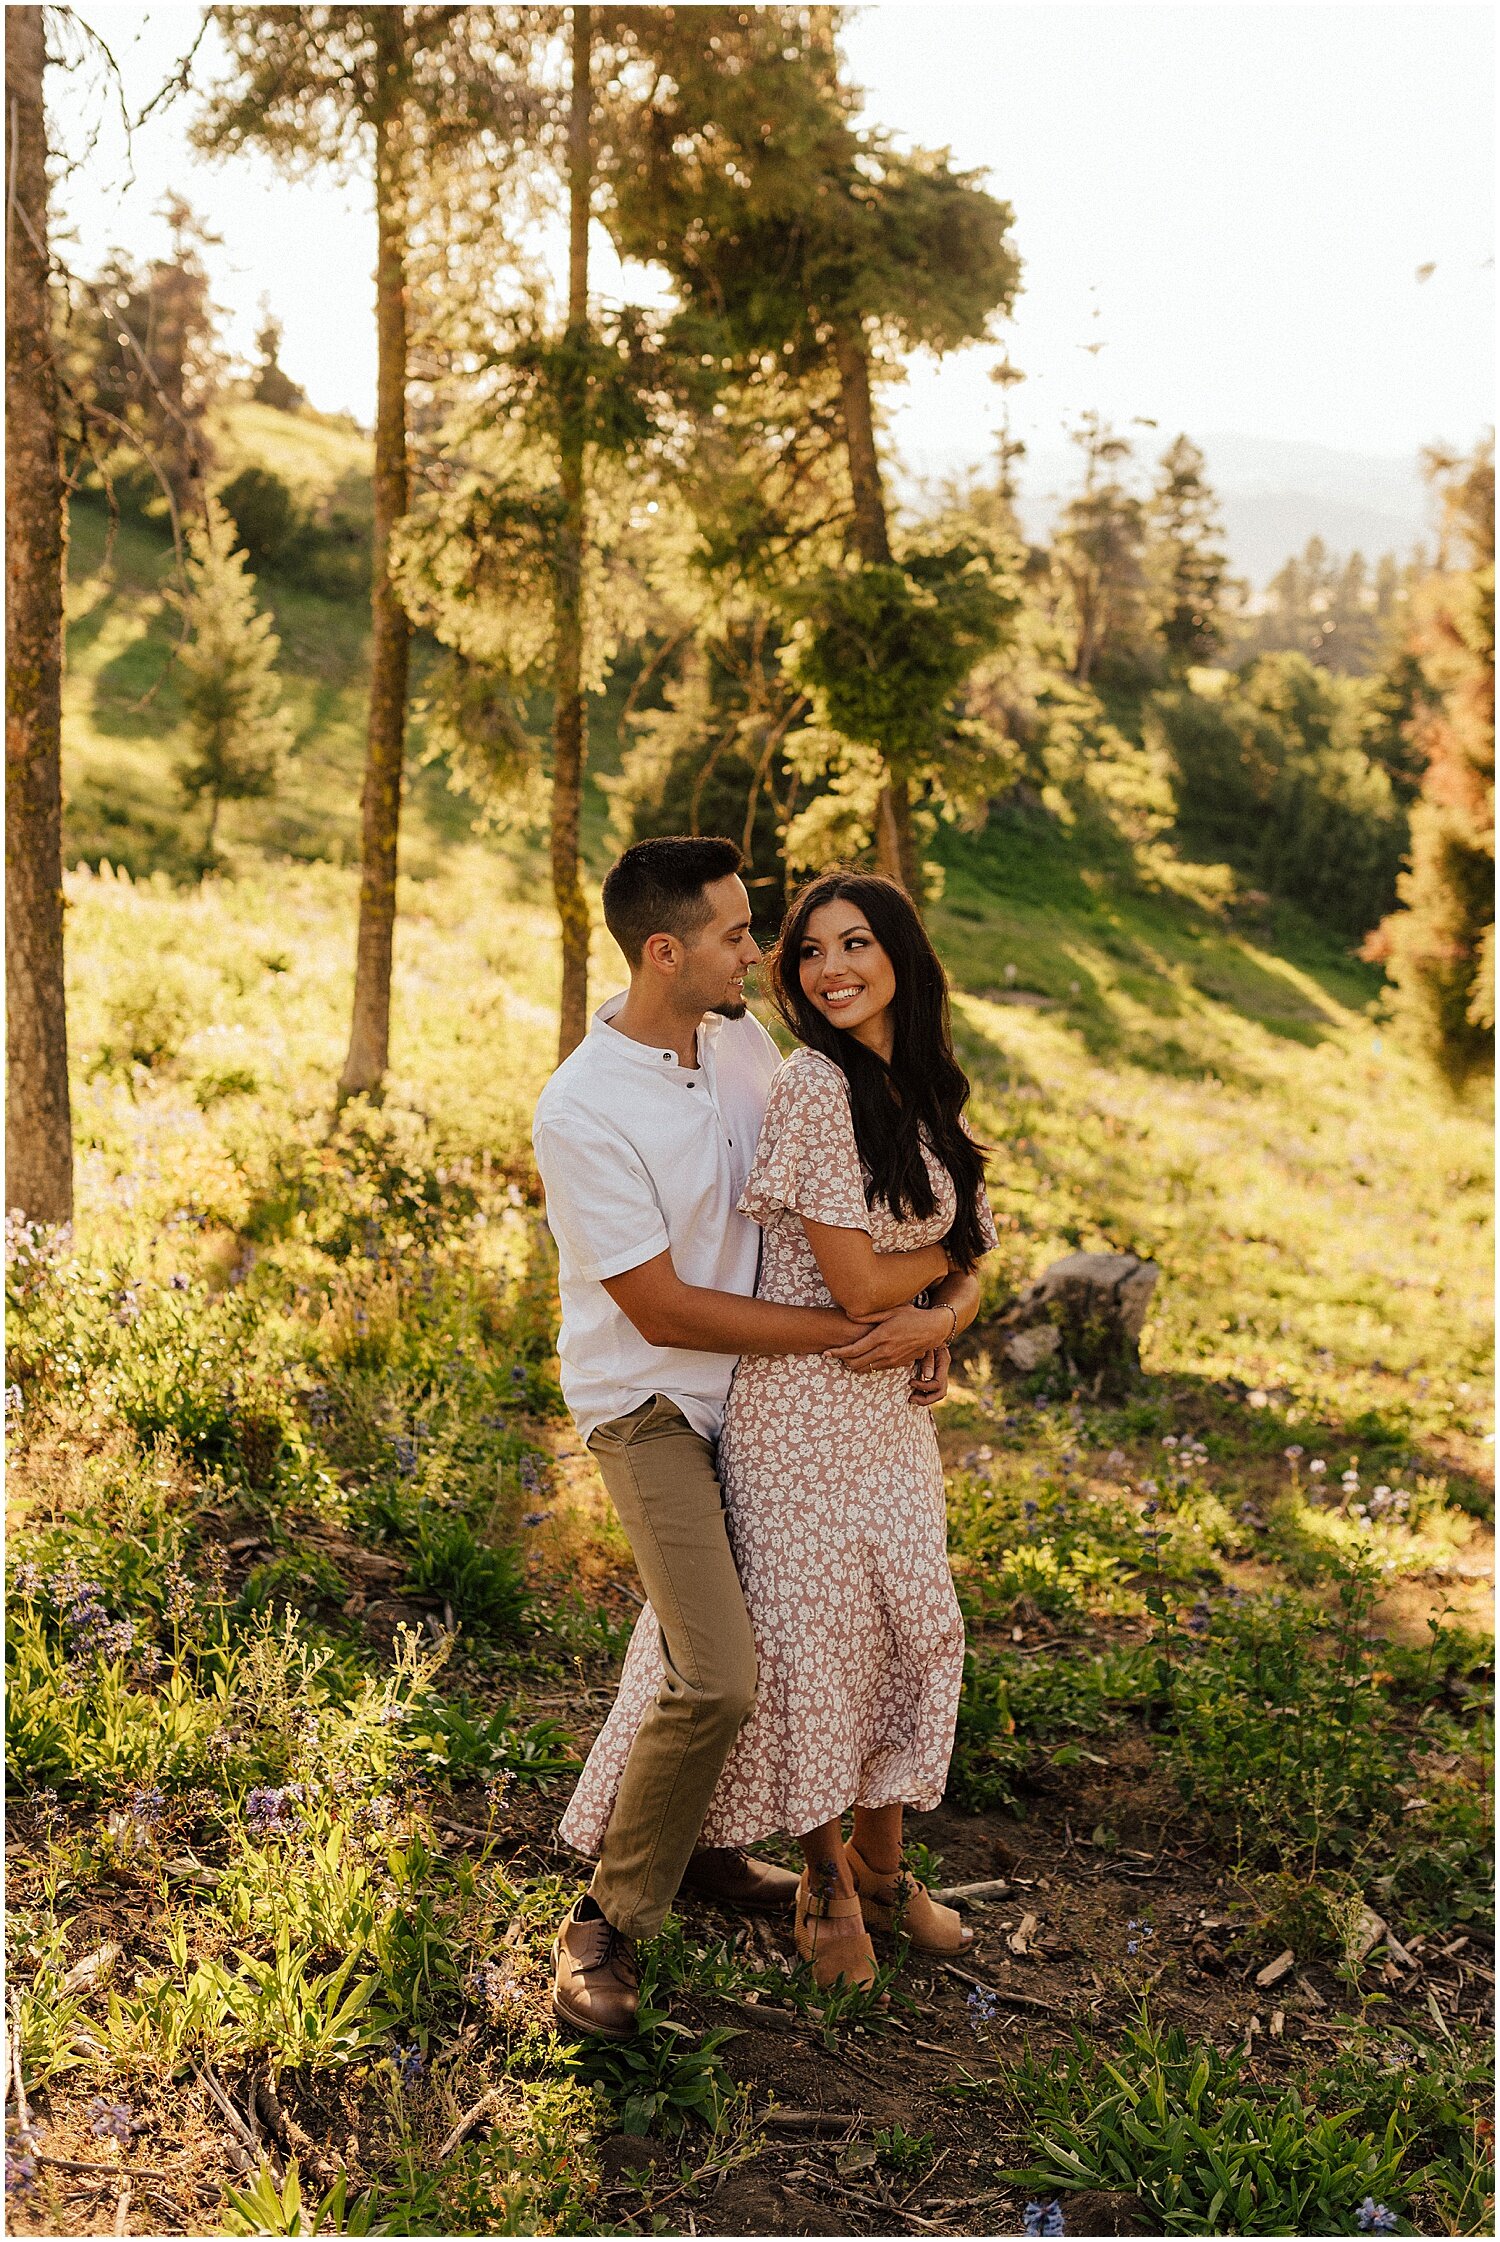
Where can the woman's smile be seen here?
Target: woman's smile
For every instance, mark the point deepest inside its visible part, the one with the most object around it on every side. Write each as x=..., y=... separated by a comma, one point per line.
x=846, y=974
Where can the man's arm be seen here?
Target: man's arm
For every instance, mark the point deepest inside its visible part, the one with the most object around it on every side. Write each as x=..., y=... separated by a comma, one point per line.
x=910, y=1332
x=668, y=1313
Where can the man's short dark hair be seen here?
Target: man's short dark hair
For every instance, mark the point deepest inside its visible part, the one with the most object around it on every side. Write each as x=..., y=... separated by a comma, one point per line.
x=657, y=888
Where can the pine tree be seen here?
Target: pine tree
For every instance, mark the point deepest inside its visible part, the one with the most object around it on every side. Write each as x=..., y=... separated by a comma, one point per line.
x=269, y=384
x=38, y=1128
x=810, y=248
x=229, y=690
x=1440, y=947
x=144, y=361
x=1098, y=552
x=1186, y=565
x=391, y=87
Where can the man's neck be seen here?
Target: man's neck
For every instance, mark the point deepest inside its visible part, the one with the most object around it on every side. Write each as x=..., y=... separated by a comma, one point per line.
x=645, y=1018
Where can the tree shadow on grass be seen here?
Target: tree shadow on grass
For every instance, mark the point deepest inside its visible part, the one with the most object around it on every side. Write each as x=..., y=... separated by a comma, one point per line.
x=1031, y=916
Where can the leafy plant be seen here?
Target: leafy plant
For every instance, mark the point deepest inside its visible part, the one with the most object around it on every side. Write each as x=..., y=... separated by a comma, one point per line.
x=1205, y=2151
x=264, y=2207
x=657, y=2084
x=486, y=1586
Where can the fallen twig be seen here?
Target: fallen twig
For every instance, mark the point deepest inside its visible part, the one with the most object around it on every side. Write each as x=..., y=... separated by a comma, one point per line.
x=1002, y=1992
x=111, y=2171
x=122, y=2210
x=994, y=1887
x=489, y=2101
x=206, y=2077
x=829, y=2124
x=465, y=1829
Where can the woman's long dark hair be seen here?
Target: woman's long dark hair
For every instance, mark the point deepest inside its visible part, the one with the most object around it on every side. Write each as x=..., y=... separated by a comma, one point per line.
x=924, y=1089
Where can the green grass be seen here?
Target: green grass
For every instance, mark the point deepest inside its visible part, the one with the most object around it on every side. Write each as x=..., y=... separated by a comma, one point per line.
x=291, y=1374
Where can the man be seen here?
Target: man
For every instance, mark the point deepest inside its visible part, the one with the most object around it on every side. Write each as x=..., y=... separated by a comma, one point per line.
x=644, y=1139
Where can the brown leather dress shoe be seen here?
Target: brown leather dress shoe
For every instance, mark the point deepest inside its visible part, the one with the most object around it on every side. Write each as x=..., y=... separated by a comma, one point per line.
x=594, y=1984
x=737, y=1879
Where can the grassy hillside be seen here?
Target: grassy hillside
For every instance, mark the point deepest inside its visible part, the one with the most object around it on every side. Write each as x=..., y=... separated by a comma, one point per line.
x=314, y=1600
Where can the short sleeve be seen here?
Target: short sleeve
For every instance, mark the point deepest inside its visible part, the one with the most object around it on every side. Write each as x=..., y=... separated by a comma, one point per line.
x=602, y=1206
x=807, y=1161
x=989, y=1236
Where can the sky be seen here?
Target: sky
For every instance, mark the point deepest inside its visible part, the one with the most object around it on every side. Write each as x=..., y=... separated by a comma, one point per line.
x=1222, y=213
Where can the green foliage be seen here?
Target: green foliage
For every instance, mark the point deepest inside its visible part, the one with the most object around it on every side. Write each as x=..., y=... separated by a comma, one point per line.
x=1441, y=944
x=1331, y=609
x=230, y=695
x=1017, y=1714
x=1203, y=2149
x=1273, y=776
x=655, y=2083
x=881, y=650
x=325, y=547
x=485, y=1586
x=1186, y=565
x=264, y=2207
x=1280, y=1734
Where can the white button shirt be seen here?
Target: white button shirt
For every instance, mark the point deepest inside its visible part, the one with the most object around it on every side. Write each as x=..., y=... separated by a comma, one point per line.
x=639, y=1154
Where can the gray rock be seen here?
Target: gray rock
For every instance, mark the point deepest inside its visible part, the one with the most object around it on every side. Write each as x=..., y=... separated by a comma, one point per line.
x=1091, y=1308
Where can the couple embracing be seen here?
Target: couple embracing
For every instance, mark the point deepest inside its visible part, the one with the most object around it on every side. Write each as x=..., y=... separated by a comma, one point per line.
x=761, y=1267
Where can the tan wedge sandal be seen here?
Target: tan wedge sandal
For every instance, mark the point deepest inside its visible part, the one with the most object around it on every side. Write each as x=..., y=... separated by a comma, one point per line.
x=899, y=1903
x=852, y=1959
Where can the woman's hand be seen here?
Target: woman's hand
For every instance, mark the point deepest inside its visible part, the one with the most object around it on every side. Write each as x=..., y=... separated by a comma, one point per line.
x=895, y=1339
x=930, y=1379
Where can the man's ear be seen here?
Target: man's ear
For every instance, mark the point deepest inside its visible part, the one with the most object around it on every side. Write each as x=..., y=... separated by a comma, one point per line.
x=663, y=952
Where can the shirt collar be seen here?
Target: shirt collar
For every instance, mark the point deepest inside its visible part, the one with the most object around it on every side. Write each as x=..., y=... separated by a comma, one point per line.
x=651, y=1055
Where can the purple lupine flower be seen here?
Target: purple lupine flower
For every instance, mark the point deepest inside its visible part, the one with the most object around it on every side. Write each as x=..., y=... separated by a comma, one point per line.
x=26, y=1581
x=147, y=1802
x=111, y=2121
x=982, y=2008
x=536, y=1517
x=405, y=1452
x=410, y=2063
x=1039, y=2218
x=266, y=1811
x=1375, y=2218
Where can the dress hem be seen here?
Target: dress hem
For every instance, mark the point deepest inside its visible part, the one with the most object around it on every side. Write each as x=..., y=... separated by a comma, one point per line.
x=748, y=1833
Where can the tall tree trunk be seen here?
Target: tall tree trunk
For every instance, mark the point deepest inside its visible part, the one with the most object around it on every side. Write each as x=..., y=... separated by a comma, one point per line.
x=38, y=1120
x=895, y=841
x=569, y=732
x=390, y=633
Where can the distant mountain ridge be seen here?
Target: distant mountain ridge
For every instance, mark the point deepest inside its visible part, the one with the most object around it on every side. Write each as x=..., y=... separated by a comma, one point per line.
x=1275, y=495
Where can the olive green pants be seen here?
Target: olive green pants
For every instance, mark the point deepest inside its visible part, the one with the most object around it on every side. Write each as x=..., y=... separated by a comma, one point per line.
x=662, y=1480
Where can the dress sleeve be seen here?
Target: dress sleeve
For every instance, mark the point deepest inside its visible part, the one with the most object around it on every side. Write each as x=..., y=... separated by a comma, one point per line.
x=807, y=1161
x=987, y=1230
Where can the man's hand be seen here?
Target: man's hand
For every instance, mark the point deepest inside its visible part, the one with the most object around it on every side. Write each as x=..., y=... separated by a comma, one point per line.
x=930, y=1379
x=894, y=1340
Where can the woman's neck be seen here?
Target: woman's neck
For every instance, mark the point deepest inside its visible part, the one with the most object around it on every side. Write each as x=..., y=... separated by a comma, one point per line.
x=877, y=1035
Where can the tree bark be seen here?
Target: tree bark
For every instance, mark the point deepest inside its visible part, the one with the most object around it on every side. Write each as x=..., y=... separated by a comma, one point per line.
x=895, y=840
x=390, y=633
x=569, y=730
x=38, y=1119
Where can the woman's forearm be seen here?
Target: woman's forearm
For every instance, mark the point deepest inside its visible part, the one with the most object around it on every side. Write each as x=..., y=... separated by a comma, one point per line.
x=864, y=1282
x=959, y=1291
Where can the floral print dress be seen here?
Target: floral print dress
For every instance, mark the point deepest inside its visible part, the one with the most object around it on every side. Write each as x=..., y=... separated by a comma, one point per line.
x=833, y=1491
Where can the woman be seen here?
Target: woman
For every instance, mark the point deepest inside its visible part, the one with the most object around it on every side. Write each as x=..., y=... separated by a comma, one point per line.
x=870, y=1191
